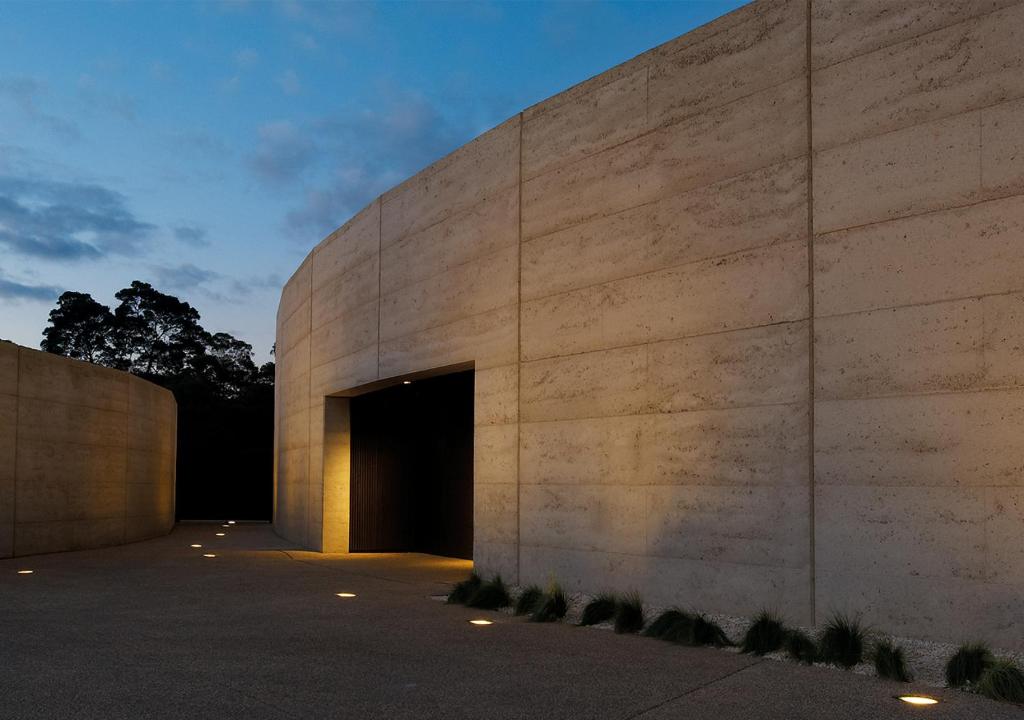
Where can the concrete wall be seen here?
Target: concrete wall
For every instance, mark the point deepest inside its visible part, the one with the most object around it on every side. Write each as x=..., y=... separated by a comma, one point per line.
x=86, y=455
x=744, y=318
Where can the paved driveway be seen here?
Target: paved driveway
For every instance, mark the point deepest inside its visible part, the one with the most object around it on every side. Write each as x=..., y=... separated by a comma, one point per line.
x=155, y=630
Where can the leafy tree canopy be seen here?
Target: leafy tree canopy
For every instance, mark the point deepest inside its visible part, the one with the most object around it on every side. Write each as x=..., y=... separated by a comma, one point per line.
x=155, y=336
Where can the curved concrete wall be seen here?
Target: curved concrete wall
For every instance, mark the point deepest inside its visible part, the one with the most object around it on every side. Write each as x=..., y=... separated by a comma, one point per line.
x=86, y=455
x=745, y=317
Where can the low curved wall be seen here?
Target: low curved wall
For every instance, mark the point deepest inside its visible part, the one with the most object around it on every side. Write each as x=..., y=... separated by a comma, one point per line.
x=86, y=455
x=745, y=315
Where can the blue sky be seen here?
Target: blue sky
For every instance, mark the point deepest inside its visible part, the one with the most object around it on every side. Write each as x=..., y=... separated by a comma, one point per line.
x=206, y=147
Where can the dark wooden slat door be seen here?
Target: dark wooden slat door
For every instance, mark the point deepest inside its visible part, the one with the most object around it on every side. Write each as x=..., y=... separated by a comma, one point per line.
x=412, y=468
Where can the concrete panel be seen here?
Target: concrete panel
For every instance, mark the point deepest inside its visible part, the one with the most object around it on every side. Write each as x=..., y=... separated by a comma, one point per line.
x=597, y=451
x=754, y=446
x=58, y=481
x=296, y=291
x=760, y=287
x=962, y=67
x=842, y=29
x=764, y=207
x=343, y=294
x=489, y=339
x=608, y=518
x=353, y=244
x=759, y=366
x=494, y=513
x=465, y=237
x=941, y=255
x=476, y=171
x=1002, y=148
x=919, y=169
x=8, y=368
x=606, y=116
x=962, y=439
x=43, y=376
x=763, y=526
x=61, y=423
x=698, y=151
x=470, y=289
x=764, y=47
x=346, y=334
x=496, y=395
x=494, y=454
x=8, y=421
x=345, y=372
x=496, y=559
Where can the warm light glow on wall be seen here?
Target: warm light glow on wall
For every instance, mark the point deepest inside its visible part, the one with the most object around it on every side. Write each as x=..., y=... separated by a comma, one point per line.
x=918, y=700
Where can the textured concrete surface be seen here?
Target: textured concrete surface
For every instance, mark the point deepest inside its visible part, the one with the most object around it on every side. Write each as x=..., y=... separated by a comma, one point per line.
x=156, y=630
x=86, y=455
x=744, y=313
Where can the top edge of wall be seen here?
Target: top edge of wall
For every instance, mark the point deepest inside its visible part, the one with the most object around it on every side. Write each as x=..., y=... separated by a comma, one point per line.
x=596, y=81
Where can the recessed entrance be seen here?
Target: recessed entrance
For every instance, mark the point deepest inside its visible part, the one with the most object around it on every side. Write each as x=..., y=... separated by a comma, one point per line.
x=411, y=478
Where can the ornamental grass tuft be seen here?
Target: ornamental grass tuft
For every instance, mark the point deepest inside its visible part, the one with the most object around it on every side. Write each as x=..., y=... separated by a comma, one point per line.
x=1002, y=680
x=800, y=647
x=890, y=662
x=842, y=641
x=967, y=664
x=765, y=634
x=528, y=600
x=552, y=606
x=600, y=609
x=464, y=590
x=490, y=595
x=629, y=614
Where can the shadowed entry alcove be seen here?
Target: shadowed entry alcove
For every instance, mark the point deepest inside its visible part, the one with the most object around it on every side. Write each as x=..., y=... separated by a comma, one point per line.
x=412, y=468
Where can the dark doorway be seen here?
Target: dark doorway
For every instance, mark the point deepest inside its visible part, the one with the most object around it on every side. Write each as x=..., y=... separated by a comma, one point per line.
x=412, y=468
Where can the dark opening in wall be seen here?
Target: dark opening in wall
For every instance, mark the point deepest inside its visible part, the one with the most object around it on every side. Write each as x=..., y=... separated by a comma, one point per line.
x=412, y=468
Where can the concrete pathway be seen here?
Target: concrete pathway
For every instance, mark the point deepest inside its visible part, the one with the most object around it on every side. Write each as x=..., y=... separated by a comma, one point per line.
x=156, y=630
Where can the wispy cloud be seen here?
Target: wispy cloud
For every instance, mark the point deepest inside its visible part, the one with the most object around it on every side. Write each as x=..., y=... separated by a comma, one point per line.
x=346, y=159
x=289, y=83
x=246, y=58
x=66, y=220
x=15, y=291
x=24, y=93
x=191, y=235
x=283, y=152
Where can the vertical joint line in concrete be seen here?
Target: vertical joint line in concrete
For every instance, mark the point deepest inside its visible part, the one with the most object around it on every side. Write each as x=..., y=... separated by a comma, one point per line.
x=17, y=426
x=519, y=354
x=380, y=270
x=309, y=398
x=810, y=321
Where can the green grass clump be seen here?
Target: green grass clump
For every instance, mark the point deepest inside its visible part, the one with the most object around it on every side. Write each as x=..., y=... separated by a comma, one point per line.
x=1002, y=680
x=629, y=614
x=600, y=609
x=464, y=590
x=890, y=662
x=967, y=664
x=552, y=606
x=800, y=647
x=705, y=631
x=528, y=600
x=766, y=634
x=664, y=623
x=842, y=641
x=491, y=595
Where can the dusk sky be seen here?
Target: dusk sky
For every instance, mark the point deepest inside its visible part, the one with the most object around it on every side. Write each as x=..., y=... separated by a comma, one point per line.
x=205, y=148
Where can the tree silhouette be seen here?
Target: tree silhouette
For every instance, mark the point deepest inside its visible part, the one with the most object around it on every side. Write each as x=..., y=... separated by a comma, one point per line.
x=79, y=328
x=225, y=402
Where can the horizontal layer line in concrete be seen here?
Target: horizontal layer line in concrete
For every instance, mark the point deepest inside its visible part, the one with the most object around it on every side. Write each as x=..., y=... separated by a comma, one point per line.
x=660, y=341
